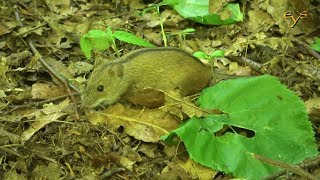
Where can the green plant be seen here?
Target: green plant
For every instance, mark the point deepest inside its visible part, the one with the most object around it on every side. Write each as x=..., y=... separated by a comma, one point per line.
x=203, y=55
x=102, y=40
x=261, y=105
x=199, y=11
x=316, y=45
x=185, y=32
x=157, y=8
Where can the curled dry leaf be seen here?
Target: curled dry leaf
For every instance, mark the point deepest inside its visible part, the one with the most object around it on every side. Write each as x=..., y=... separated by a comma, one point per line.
x=144, y=124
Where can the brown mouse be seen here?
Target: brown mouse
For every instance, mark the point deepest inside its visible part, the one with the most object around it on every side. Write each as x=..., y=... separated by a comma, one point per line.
x=142, y=76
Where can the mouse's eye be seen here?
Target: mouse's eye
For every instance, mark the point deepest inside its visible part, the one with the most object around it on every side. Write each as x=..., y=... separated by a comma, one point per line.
x=100, y=88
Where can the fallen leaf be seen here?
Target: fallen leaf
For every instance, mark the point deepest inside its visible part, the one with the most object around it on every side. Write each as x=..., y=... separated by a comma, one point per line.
x=312, y=105
x=177, y=105
x=143, y=124
x=49, y=114
x=196, y=170
x=46, y=91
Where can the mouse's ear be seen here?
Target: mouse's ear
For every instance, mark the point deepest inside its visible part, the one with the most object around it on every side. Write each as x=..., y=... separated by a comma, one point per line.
x=116, y=69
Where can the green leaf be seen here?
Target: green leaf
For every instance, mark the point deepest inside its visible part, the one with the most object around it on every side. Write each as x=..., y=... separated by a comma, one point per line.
x=151, y=7
x=201, y=55
x=261, y=104
x=109, y=32
x=131, y=38
x=199, y=11
x=188, y=30
x=316, y=45
x=218, y=53
x=86, y=47
x=95, y=39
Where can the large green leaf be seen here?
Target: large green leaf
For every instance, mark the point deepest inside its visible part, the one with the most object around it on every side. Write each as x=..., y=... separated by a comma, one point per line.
x=261, y=104
x=198, y=10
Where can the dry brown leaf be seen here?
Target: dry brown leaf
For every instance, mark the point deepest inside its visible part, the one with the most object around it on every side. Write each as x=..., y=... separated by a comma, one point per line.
x=309, y=69
x=60, y=68
x=49, y=114
x=127, y=163
x=277, y=8
x=205, y=45
x=233, y=66
x=46, y=91
x=177, y=105
x=216, y=6
x=259, y=21
x=152, y=20
x=240, y=71
x=17, y=115
x=196, y=170
x=144, y=124
x=148, y=149
x=4, y=29
x=16, y=59
x=173, y=171
x=24, y=31
x=4, y=81
x=171, y=18
x=60, y=6
x=170, y=151
x=154, y=37
x=14, y=175
x=7, y=137
x=80, y=67
x=136, y=4
x=313, y=105
x=52, y=171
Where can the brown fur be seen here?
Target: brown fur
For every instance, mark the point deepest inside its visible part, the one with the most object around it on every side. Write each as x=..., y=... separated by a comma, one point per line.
x=141, y=74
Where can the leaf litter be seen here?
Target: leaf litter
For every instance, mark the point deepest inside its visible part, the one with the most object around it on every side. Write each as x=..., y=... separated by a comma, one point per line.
x=48, y=141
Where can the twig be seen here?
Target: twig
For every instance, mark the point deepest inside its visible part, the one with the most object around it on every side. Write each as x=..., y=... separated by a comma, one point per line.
x=111, y=172
x=311, y=51
x=208, y=111
x=36, y=104
x=313, y=162
x=246, y=61
x=42, y=61
x=73, y=100
x=289, y=167
x=6, y=148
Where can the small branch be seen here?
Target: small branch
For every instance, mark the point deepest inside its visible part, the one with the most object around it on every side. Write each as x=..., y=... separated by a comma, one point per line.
x=111, y=172
x=207, y=111
x=43, y=62
x=312, y=162
x=289, y=167
x=36, y=104
x=73, y=100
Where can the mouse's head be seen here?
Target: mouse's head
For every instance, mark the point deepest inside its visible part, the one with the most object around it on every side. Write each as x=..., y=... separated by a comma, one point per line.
x=105, y=85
